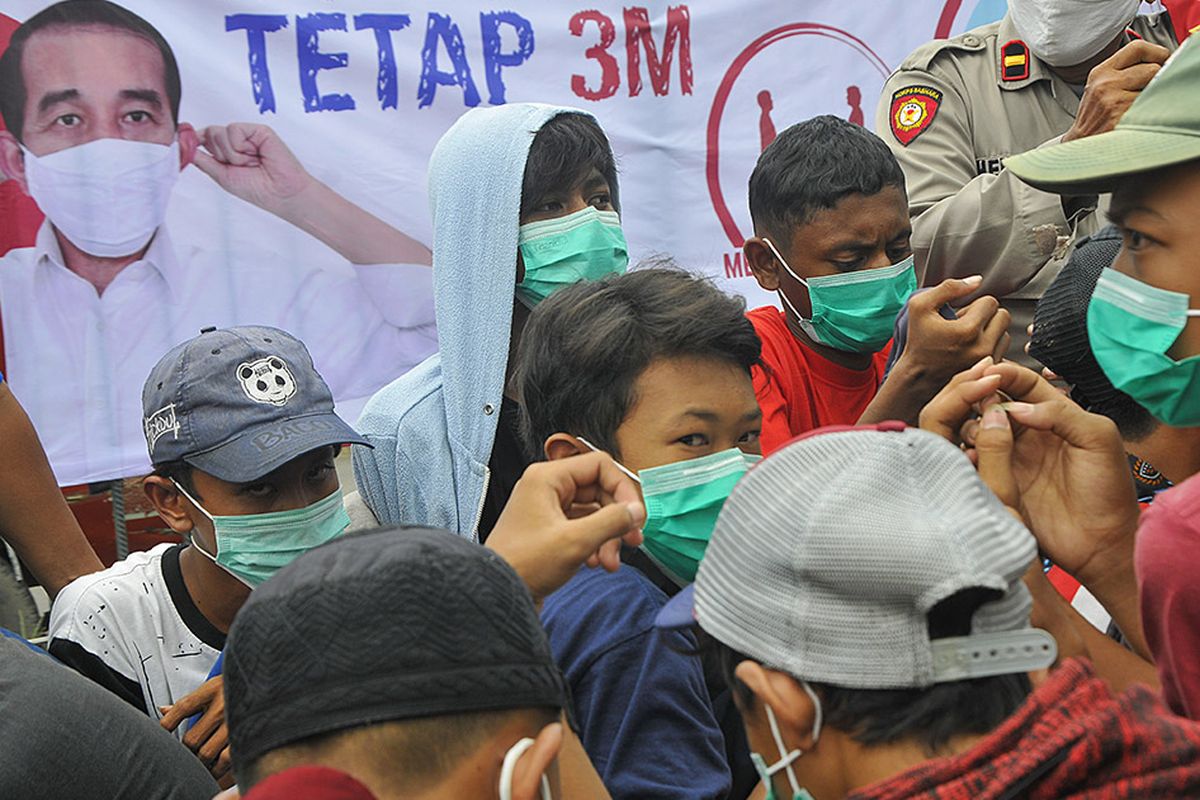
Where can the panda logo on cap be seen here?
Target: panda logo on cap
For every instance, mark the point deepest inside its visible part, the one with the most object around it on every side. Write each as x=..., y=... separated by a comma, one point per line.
x=267, y=380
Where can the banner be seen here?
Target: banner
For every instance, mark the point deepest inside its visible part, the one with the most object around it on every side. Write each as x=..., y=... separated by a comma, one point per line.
x=359, y=93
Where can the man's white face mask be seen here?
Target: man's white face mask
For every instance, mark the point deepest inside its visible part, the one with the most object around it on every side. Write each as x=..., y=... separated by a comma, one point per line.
x=107, y=196
x=1064, y=33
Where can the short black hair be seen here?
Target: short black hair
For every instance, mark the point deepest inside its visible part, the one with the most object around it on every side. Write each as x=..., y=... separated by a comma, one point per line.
x=179, y=473
x=564, y=152
x=931, y=717
x=76, y=14
x=811, y=166
x=416, y=753
x=586, y=345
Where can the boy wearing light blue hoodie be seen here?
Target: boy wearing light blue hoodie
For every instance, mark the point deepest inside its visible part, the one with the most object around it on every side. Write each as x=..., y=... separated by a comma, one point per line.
x=524, y=201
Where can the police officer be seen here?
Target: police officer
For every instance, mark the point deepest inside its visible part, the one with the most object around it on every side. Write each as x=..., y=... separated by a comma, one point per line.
x=956, y=108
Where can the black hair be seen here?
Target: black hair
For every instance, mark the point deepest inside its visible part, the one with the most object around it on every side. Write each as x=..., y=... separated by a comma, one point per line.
x=811, y=166
x=179, y=473
x=586, y=345
x=1133, y=421
x=931, y=717
x=564, y=152
x=416, y=754
x=76, y=13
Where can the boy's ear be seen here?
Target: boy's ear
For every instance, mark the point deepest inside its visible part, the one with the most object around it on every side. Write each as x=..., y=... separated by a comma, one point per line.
x=537, y=761
x=794, y=709
x=168, y=502
x=563, y=445
x=762, y=263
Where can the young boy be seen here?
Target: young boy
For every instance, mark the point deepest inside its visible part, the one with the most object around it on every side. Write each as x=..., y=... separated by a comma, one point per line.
x=524, y=196
x=652, y=367
x=242, y=434
x=831, y=236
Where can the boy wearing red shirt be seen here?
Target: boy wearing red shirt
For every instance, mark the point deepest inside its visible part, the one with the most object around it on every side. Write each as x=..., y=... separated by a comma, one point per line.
x=831, y=236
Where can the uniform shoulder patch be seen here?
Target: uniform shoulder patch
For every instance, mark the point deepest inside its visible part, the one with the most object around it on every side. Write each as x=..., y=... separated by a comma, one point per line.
x=913, y=110
x=1014, y=61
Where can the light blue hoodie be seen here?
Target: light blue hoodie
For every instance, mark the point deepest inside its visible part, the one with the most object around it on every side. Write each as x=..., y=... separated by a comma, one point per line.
x=433, y=427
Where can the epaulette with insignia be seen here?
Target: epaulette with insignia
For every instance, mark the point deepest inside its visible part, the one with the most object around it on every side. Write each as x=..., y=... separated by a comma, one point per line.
x=1014, y=61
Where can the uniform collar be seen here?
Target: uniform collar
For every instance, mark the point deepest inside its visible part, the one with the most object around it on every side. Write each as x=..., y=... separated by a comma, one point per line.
x=160, y=256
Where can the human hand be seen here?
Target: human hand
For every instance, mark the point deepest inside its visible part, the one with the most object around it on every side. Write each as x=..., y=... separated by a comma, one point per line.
x=251, y=162
x=208, y=738
x=541, y=534
x=1065, y=471
x=1113, y=85
x=938, y=348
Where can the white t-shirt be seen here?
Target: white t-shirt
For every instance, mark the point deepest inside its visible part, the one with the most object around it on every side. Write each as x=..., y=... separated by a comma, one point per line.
x=134, y=629
x=77, y=360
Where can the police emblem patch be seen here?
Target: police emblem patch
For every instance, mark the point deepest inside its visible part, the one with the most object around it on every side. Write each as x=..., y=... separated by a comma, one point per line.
x=913, y=109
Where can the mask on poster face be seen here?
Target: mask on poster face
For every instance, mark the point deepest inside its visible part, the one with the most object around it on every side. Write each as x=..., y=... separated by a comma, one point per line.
x=108, y=196
x=1131, y=325
x=253, y=547
x=1065, y=33
x=767, y=772
x=583, y=246
x=854, y=311
x=682, y=501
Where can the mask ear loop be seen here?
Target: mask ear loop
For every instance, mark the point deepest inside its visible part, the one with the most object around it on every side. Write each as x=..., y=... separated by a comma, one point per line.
x=782, y=295
x=203, y=511
x=510, y=765
x=788, y=758
x=620, y=466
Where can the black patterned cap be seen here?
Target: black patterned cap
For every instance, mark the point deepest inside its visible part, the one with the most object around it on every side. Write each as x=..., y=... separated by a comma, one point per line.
x=394, y=624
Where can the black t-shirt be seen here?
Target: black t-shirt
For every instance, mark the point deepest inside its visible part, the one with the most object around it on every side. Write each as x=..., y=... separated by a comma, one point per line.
x=64, y=737
x=507, y=464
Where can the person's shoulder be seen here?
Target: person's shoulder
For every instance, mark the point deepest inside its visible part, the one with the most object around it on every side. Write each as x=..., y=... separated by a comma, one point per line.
x=123, y=588
x=412, y=398
x=771, y=326
x=1156, y=29
x=624, y=602
x=975, y=43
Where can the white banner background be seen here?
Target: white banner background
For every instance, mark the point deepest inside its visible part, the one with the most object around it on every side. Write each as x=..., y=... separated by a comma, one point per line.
x=684, y=157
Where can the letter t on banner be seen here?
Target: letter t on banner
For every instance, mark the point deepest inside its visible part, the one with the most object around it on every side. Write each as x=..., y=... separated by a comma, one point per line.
x=257, y=26
x=383, y=24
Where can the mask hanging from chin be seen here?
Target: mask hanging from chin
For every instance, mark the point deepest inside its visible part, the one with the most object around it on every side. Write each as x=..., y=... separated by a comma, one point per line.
x=108, y=196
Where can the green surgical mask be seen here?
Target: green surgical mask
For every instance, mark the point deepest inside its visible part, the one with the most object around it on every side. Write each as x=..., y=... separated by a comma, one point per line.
x=1131, y=325
x=583, y=246
x=854, y=311
x=682, y=501
x=253, y=547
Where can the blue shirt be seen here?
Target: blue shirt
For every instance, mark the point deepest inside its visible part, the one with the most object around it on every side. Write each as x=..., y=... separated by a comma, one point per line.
x=643, y=709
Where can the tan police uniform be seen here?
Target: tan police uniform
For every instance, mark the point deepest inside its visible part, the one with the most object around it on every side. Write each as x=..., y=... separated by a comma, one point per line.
x=952, y=112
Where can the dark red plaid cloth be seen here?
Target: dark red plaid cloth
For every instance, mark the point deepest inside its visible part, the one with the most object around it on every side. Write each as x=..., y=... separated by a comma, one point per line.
x=1072, y=739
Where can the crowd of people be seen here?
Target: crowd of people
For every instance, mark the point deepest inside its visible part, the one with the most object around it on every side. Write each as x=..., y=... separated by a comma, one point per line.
x=921, y=531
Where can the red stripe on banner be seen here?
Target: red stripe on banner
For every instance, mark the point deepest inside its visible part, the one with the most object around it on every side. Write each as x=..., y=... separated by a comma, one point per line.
x=946, y=20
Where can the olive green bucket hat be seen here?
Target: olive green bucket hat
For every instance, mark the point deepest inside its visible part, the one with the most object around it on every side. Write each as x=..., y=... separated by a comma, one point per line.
x=1161, y=128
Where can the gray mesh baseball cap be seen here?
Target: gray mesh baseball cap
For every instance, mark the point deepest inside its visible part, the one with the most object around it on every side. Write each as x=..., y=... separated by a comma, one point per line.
x=829, y=555
x=238, y=403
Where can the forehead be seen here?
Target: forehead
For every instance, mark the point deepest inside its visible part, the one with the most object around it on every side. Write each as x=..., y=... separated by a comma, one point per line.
x=97, y=61
x=859, y=217
x=669, y=385
x=1173, y=193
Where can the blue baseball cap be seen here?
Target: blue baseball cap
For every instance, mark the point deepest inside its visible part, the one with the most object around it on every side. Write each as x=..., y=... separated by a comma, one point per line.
x=238, y=403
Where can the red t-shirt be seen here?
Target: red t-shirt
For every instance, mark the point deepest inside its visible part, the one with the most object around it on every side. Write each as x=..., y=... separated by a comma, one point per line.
x=801, y=390
x=1167, y=552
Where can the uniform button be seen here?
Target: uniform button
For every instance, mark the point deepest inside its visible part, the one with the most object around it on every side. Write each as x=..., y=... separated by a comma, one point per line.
x=971, y=40
x=489, y=409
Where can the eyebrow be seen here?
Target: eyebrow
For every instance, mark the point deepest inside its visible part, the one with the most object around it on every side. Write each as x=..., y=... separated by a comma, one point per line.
x=51, y=99
x=1118, y=214
x=859, y=245
x=594, y=182
x=712, y=416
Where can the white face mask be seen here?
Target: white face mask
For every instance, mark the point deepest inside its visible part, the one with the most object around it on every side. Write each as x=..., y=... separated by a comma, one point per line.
x=510, y=765
x=1064, y=33
x=107, y=196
